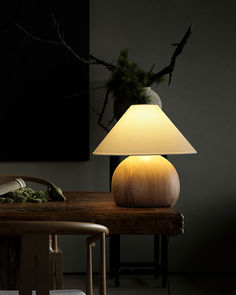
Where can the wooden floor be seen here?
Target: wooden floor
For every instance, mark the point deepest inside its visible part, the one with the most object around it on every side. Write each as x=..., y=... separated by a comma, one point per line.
x=180, y=284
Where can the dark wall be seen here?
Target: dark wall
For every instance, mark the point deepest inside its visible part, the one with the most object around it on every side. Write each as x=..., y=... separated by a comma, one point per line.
x=39, y=113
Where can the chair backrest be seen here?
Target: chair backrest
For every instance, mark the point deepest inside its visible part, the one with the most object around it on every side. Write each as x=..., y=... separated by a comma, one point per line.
x=7, y=177
x=35, y=251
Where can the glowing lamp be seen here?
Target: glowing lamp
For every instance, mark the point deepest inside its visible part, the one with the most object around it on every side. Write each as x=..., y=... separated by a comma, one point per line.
x=145, y=178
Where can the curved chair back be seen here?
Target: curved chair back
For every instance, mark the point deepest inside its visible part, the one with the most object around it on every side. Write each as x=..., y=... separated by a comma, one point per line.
x=35, y=251
x=5, y=178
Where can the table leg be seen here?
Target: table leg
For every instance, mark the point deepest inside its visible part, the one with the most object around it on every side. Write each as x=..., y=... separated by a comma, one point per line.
x=156, y=256
x=111, y=256
x=164, y=259
x=160, y=267
x=115, y=259
x=114, y=239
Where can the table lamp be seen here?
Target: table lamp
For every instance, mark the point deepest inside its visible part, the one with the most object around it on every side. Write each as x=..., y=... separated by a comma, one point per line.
x=145, y=178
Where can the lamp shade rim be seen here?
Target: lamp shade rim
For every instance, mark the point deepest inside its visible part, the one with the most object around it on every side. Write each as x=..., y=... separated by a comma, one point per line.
x=142, y=154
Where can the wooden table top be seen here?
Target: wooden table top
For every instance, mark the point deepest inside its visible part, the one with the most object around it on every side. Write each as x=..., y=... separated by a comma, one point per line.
x=98, y=207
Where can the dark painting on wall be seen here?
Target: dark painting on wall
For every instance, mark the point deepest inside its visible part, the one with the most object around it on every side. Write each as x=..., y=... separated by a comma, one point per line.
x=44, y=96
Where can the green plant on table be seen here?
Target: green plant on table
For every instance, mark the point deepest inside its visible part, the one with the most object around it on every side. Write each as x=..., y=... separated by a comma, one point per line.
x=27, y=194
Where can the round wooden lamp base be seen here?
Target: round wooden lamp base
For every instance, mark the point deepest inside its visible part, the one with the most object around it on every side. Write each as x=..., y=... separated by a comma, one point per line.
x=145, y=181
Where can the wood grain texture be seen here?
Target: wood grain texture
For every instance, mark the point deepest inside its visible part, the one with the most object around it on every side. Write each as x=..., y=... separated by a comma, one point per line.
x=145, y=181
x=98, y=207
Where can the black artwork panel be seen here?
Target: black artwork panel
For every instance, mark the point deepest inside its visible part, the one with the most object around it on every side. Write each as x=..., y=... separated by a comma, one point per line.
x=40, y=117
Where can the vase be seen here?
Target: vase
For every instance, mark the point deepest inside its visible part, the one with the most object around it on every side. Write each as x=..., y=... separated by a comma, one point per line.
x=153, y=96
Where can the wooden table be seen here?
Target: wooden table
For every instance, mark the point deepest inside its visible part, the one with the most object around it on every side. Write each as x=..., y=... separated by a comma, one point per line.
x=98, y=207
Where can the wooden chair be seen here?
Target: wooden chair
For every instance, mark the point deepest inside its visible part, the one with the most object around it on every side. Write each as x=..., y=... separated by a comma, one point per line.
x=56, y=255
x=35, y=259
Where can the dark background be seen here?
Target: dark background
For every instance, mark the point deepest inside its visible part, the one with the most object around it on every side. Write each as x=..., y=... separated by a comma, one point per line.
x=39, y=120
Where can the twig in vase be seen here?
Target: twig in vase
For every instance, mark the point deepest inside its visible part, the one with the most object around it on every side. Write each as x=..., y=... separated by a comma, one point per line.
x=170, y=68
x=103, y=110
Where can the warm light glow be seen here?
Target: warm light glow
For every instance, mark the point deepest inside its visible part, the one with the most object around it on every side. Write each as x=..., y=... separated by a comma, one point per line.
x=144, y=130
x=146, y=158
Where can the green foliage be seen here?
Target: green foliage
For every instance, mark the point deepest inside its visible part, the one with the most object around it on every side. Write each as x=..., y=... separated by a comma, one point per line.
x=127, y=84
x=128, y=80
x=27, y=194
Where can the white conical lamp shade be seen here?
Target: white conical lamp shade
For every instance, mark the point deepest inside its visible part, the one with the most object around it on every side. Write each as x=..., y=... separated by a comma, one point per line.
x=144, y=130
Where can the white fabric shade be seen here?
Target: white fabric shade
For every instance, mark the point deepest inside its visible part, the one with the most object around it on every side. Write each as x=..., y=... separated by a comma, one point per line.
x=144, y=130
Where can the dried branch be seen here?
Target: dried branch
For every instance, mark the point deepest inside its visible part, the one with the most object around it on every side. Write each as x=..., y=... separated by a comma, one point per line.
x=111, y=121
x=170, y=68
x=77, y=94
x=92, y=59
x=95, y=60
x=29, y=35
x=63, y=42
x=150, y=71
x=103, y=110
